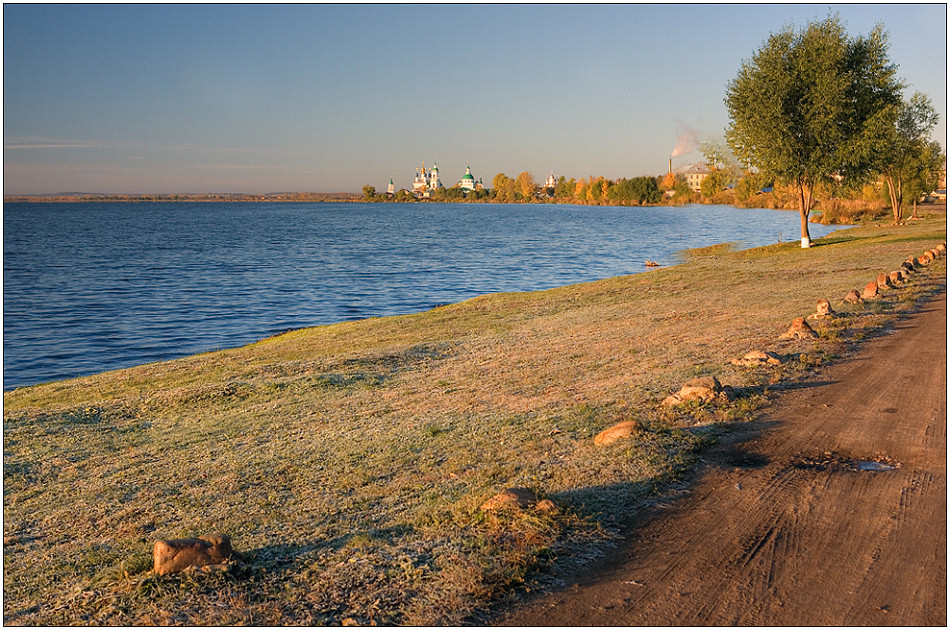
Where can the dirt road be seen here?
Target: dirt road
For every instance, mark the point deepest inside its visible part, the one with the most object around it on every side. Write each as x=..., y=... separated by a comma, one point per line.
x=832, y=512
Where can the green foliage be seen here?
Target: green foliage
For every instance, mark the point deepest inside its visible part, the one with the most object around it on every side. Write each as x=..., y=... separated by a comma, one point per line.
x=641, y=190
x=808, y=103
x=369, y=192
x=902, y=149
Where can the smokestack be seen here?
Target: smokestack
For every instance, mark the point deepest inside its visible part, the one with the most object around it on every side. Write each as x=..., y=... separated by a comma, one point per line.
x=671, y=165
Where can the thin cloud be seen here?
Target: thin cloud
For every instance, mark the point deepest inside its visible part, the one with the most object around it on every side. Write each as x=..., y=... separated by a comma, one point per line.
x=49, y=143
x=61, y=143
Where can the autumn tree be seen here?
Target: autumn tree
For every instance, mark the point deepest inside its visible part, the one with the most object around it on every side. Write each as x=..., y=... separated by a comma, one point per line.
x=504, y=188
x=804, y=107
x=525, y=184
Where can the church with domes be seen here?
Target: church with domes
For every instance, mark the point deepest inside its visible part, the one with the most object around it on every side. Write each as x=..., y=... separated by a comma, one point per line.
x=426, y=182
x=468, y=181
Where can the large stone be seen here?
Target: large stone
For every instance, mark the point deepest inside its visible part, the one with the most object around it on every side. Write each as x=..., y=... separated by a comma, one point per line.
x=870, y=290
x=799, y=330
x=173, y=556
x=908, y=267
x=853, y=297
x=705, y=389
x=823, y=310
x=895, y=277
x=915, y=262
x=883, y=281
x=941, y=248
x=925, y=258
x=510, y=498
x=758, y=357
x=617, y=432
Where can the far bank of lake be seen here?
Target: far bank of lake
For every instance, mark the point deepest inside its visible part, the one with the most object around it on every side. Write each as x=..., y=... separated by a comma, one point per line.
x=90, y=287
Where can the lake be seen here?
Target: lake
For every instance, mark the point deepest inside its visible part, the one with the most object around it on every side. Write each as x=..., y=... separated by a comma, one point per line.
x=90, y=287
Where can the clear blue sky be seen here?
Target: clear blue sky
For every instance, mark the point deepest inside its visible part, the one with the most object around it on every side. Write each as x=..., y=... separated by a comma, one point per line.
x=326, y=98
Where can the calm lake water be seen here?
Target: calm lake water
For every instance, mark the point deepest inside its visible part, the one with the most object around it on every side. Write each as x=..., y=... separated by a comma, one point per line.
x=94, y=287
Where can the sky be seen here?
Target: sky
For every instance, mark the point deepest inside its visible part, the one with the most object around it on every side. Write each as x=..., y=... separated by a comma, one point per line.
x=179, y=98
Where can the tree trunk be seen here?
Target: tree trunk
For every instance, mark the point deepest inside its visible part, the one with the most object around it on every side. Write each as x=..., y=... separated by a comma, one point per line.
x=894, y=193
x=804, y=198
x=914, y=215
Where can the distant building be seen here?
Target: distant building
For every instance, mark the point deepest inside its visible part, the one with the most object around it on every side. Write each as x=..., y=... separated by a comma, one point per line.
x=468, y=181
x=392, y=188
x=695, y=175
x=426, y=181
x=551, y=181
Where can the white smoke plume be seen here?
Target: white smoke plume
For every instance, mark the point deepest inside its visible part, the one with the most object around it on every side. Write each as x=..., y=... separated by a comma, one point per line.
x=685, y=142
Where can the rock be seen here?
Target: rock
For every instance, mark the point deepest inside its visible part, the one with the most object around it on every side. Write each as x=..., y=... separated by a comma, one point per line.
x=926, y=258
x=915, y=262
x=510, y=498
x=853, y=297
x=908, y=267
x=173, y=556
x=617, y=432
x=824, y=311
x=758, y=357
x=941, y=248
x=651, y=263
x=546, y=505
x=895, y=277
x=799, y=330
x=870, y=290
x=705, y=389
x=883, y=281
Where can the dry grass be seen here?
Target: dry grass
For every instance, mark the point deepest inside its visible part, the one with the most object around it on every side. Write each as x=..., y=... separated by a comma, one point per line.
x=348, y=462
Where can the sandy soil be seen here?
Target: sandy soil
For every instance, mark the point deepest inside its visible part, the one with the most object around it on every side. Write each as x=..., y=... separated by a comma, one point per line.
x=831, y=510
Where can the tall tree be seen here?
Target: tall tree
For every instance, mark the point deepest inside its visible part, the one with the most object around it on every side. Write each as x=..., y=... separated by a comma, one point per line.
x=923, y=172
x=803, y=107
x=904, y=139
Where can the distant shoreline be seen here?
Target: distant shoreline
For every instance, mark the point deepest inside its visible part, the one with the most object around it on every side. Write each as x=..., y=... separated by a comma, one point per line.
x=184, y=198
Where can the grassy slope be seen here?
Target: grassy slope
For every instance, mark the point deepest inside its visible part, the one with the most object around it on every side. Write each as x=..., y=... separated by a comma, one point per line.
x=348, y=462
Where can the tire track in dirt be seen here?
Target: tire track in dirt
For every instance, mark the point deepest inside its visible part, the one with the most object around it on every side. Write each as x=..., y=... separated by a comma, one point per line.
x=831, y=510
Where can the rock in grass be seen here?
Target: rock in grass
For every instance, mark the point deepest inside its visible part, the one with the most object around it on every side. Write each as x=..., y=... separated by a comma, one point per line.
x=908, y=267
x=799, y=330
x=925, y=258
x=705, y=389
x=941, y=248
x=173, y=556
x=895, y=277
x=870, y=290
x=823, y=310
x=758, y=357
x=617, y=432
x=883, y=281
x=853, y=297
x=914, y=262
x=510, y=498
